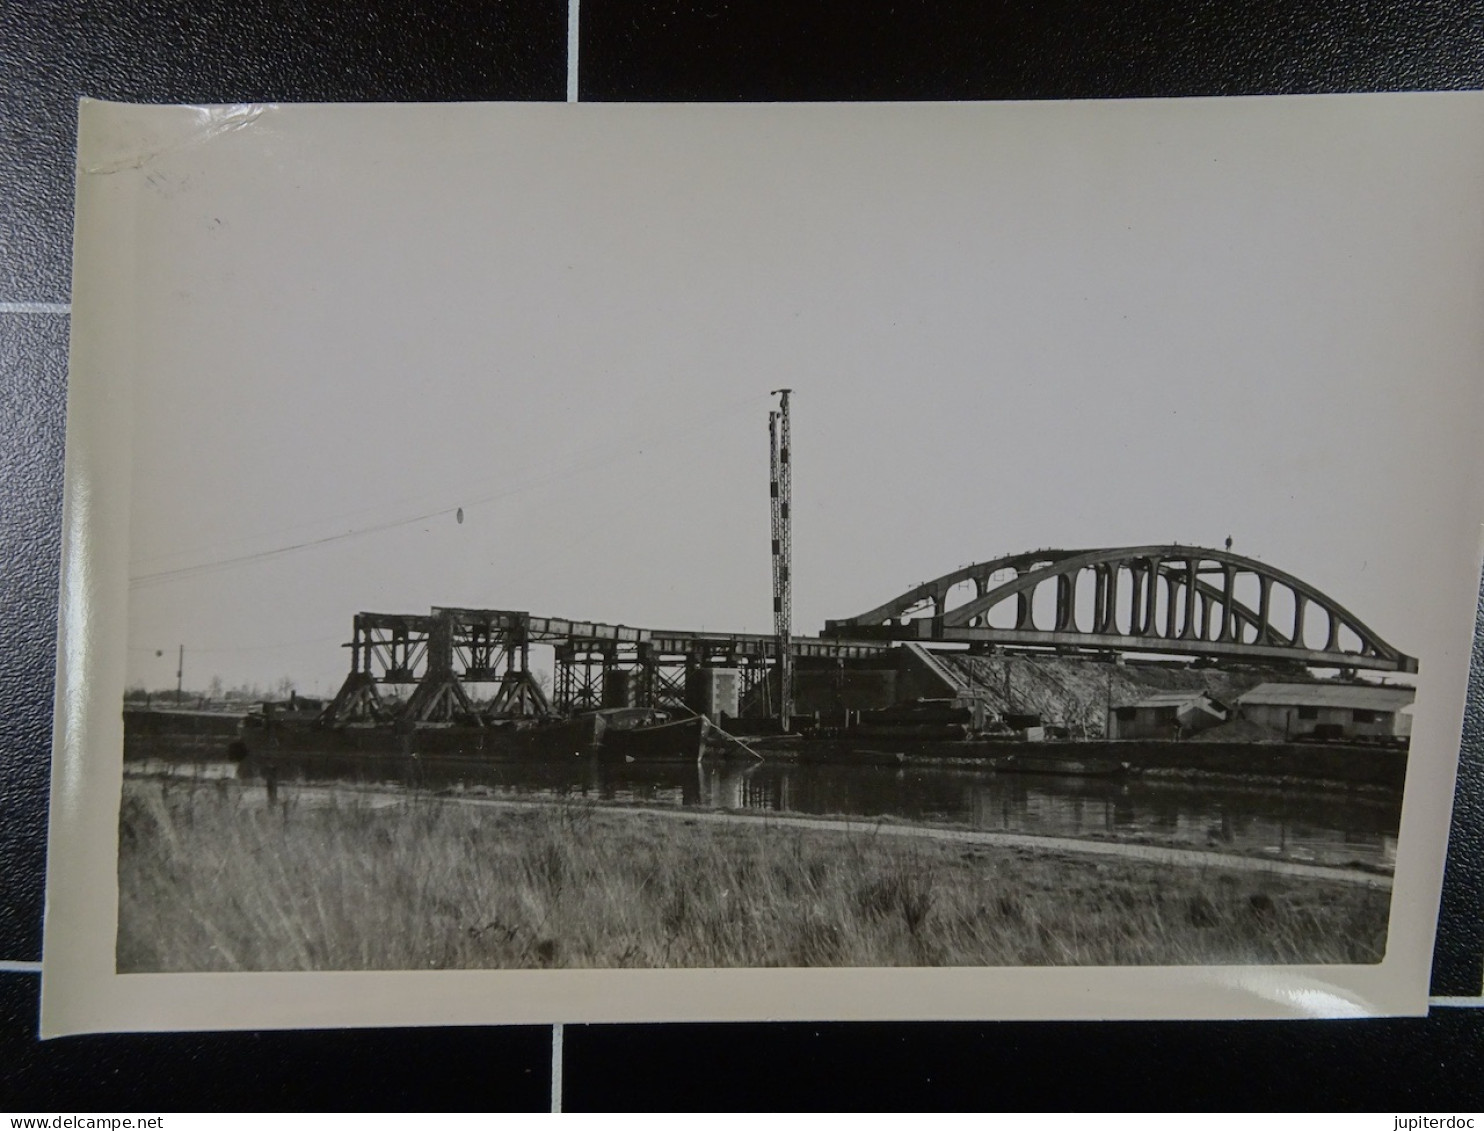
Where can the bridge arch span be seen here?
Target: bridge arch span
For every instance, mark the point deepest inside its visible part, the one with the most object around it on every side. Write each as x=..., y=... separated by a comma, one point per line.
x=1173, y=599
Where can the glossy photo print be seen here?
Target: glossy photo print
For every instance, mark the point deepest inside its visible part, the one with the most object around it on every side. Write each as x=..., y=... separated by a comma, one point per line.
x=657, y=562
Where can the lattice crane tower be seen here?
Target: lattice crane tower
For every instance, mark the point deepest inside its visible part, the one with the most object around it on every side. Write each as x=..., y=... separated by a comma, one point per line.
x=782, y=492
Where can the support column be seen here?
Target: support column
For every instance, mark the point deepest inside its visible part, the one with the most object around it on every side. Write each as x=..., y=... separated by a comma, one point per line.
x=1228, y=596
x=1023, y=610
x=1172, y=605
x=357, y=701
x=561, y=677
x=1192, y=587
x=439, y=696
x=519, y=694
x=1136, y=599
x=1066, y=597
x=1099, y=596
x=1151, y=605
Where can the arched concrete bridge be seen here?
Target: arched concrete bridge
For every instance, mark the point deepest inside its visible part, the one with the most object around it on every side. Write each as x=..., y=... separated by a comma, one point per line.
x=1175, y=600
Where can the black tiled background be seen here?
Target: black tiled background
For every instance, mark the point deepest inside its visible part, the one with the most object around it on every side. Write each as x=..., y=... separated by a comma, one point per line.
x=33, y=387
x=652, y=50
x=495, y=1069
x=1396, y=1063
x=54, y=51
x=727, y=50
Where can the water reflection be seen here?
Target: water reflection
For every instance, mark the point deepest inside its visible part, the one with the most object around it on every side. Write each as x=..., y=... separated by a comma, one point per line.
x=1322, y=827
x=1317, y=826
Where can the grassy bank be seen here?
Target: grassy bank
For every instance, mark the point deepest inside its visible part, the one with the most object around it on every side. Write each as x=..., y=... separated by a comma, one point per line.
x=211, y=878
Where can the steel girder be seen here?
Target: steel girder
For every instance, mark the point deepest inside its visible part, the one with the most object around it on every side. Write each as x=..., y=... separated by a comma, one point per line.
x=448, y=649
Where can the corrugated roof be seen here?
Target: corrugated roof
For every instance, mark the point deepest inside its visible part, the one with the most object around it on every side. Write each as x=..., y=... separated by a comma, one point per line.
x=1367, y=696
x=1169, y=699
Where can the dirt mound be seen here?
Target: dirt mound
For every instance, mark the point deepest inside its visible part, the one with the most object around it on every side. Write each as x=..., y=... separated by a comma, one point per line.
x=1076, y=693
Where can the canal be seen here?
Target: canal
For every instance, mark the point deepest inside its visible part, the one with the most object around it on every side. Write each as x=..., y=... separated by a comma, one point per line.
x=1328, y=827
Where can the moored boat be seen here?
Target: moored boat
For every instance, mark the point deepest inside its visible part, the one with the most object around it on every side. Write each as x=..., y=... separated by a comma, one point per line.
x=636, y=734
x=563, y=738
x=673, y=740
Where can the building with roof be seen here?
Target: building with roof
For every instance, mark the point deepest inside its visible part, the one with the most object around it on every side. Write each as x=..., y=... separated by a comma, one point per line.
x=1166, y=714
x=1330, y=710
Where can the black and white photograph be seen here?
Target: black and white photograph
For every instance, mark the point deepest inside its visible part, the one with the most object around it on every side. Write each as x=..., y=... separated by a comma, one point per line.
x=1032, y=541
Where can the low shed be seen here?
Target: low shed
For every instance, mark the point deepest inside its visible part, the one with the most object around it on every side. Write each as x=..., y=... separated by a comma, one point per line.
x=1330, y=710
x=1166, y=714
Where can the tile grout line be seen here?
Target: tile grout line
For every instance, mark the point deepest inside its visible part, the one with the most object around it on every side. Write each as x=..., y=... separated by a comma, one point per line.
x=556, y=1029
x=35, y=308
x=572, y=25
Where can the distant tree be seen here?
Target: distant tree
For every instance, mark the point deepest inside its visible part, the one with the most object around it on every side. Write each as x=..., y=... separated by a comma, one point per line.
x=283, y=688
x=214, y=688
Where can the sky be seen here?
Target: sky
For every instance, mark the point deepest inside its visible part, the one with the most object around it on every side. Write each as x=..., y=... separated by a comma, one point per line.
x=1006, y=327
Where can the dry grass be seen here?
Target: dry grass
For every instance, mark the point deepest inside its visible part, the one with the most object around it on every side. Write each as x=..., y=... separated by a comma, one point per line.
x=211, y=878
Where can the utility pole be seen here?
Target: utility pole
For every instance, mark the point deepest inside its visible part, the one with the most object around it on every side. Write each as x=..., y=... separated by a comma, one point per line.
x=179, y=674
x=782, y=490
